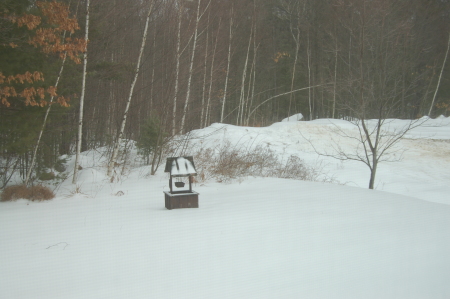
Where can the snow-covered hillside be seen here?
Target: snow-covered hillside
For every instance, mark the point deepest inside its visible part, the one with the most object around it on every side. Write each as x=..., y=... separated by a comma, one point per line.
x=256, y=238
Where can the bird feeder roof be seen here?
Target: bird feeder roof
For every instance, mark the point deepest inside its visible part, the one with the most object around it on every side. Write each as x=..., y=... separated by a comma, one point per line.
x=180, y=166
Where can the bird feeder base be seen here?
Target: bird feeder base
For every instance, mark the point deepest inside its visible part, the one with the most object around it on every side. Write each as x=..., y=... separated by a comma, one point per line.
x=181, y=200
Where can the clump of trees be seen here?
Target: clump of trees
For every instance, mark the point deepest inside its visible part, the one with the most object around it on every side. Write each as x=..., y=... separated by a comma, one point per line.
x=192, y=63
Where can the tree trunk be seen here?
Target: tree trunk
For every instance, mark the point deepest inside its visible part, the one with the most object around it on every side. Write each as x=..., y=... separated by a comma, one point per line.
x=33, y=159
x=297, y=47
x=115, y=152
x=208, y=106
x=244, y=75
x=335, y=79
x=373, y=171
x=191, y=66
x=308, y=52
x=204, y=74
x=83, y=91
x=177, y=75
x=440, y=76
x=228, y=66
x=153, y=70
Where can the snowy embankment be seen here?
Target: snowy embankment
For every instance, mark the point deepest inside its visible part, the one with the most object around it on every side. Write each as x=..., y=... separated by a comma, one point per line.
x=261, y=238
x=422, y=169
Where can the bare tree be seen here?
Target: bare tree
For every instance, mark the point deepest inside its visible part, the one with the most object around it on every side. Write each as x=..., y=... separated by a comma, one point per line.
x=44, y=123
x=204, y=73
x=440, y=76
x=177, y=71
x=191, y=65
x=243, y=78
x=295, y=12
x=373, y=141
x=208, y=105
x=83, y=91
x=375, y=86
x=113, y=160
x=228, y=66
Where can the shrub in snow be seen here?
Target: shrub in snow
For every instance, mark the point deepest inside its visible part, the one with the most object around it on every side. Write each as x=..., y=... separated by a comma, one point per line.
x=40, y=192
x=227, y=162
x=15, y=192
x=32, y=193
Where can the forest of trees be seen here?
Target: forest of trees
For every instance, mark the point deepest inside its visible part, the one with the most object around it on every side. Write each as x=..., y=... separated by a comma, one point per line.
x=165, y=67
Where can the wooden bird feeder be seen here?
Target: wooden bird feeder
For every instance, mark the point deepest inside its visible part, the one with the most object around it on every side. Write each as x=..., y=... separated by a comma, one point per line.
x=180, y=168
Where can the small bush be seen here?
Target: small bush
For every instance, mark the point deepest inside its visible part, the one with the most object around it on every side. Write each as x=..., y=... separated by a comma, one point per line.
x=15, y=192
x=227, y=162
x=40, y=193
x=32, y=193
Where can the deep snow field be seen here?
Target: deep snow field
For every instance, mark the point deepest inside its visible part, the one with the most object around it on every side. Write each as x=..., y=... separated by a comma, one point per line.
x=251, y=238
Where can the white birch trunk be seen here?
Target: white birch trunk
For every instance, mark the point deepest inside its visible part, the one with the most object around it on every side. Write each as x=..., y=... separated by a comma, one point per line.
x=335, y=78
x=297, y=46
x=204, y=74
x=440, y=76
x=228, y=66
x=83, y=91
x=247, y=98
x=33, y=160
x=253, y=88
x=191, y=66
x=177, y=74
x=244, y=75
x=279, y=95
x=255, y=50
x=115, y=152
x=208, y=106
x=153, y=69
x=308, y=50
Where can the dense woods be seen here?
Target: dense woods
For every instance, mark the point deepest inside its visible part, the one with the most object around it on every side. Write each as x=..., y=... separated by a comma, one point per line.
x=158, y=68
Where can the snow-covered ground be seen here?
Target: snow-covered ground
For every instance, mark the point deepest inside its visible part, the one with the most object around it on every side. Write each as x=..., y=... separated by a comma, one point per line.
x=256, y=238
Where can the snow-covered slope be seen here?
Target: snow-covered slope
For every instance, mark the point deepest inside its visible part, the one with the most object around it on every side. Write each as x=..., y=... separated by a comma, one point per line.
x=260, y=238
x=422, y=169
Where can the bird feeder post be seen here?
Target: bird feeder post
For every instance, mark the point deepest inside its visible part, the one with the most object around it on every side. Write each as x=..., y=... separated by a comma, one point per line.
x=180, y=167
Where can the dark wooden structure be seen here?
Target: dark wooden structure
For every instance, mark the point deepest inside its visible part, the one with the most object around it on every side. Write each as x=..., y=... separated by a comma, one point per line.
x=181, y=200
x=180, y=168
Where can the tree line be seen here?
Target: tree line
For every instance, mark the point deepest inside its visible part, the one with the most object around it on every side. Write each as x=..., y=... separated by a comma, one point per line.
x=166, y=67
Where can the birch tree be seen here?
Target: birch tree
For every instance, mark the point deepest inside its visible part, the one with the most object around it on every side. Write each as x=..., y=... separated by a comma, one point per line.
x=191, y=64
x=440, y=76
x=294, y=11
x=113, y=160
x=205, y=70
x=44, y=123
x=177, y=72
x=208, y=105
x=83, y=92
x=53, y=41
x=225, y=90
x=244, y=75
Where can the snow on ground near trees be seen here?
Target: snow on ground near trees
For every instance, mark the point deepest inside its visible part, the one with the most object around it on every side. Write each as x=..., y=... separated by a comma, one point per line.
x=422, y=169
x=258, y=238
